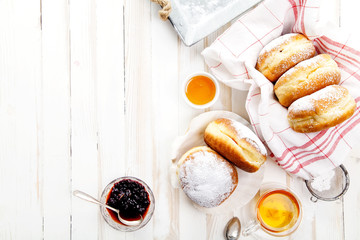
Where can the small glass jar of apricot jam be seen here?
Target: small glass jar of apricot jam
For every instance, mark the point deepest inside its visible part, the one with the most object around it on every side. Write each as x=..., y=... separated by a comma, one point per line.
x=132, y=197
x=201, y=90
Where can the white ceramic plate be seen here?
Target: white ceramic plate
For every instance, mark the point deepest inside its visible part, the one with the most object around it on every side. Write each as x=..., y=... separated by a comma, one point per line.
x=248, y=184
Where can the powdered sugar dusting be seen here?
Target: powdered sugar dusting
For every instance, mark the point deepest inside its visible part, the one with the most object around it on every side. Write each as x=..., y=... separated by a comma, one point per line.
x=312, y=62
x=244, y=132
x=308, y=103
x=323, y=182
x=303, y=104
x=206, y=180
x=277, y=42
x=295, y=58
x=197, y=11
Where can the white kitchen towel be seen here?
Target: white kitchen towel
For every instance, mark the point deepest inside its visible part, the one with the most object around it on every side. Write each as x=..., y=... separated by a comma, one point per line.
x=232, y=57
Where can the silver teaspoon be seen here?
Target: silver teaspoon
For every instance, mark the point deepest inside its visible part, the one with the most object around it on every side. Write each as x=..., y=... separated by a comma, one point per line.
x=233, y=229
x=91, y=199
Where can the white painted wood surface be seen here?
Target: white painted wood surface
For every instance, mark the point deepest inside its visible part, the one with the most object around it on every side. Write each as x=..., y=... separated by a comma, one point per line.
x=89, y=91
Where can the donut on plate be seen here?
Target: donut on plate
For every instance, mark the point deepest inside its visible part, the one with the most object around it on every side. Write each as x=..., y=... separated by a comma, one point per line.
x=206, y=177
x=237, y=143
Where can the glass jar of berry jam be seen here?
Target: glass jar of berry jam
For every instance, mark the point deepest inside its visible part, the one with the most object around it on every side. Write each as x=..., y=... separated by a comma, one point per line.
x=132, y=197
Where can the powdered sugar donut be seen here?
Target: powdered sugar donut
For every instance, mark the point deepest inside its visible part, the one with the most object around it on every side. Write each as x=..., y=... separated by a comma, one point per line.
x=206, y=177
x=323, y=109
x=306, y=78
x=283, y=53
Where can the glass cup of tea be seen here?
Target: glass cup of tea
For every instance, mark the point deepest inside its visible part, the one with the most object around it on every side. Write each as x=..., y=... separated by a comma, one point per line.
x=121, y=194
x=278, y=211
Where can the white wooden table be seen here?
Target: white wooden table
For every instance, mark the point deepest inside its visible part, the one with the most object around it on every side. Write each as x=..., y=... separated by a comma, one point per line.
x=89, y=91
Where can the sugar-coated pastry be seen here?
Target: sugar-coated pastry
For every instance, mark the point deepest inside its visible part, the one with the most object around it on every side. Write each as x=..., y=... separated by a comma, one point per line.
x=206, y=177
x=306, y=78
x=283, y=53
x=323, y=109
x=237, y=143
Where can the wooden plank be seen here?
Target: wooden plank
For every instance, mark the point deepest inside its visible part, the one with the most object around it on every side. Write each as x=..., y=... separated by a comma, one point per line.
x=192, y=222
x=85, y=170
x=349, y=16
x=20, y=118
x=139, y=108
x=351, y=200
x=226, y=93
x=165, y=90
x=110, y=97
x=56, y=119
x=329, y=220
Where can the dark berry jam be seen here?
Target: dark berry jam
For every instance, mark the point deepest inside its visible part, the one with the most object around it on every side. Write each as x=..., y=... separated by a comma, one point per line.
x=130, y=197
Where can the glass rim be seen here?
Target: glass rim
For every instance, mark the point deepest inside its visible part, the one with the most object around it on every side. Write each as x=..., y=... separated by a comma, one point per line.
x=118, y=226
x=286, y=232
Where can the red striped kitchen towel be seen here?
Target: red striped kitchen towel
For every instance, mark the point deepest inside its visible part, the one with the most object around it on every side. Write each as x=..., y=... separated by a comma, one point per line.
x=232, y=57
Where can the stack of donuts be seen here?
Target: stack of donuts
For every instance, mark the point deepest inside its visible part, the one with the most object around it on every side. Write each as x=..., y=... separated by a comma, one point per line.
x=305, y=83
x=208, y=174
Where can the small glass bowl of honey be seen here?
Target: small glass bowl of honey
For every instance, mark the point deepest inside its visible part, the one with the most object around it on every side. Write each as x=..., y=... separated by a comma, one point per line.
x=200, y=90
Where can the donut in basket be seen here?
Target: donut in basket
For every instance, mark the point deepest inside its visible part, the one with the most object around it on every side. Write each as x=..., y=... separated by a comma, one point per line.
x=305, y=84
